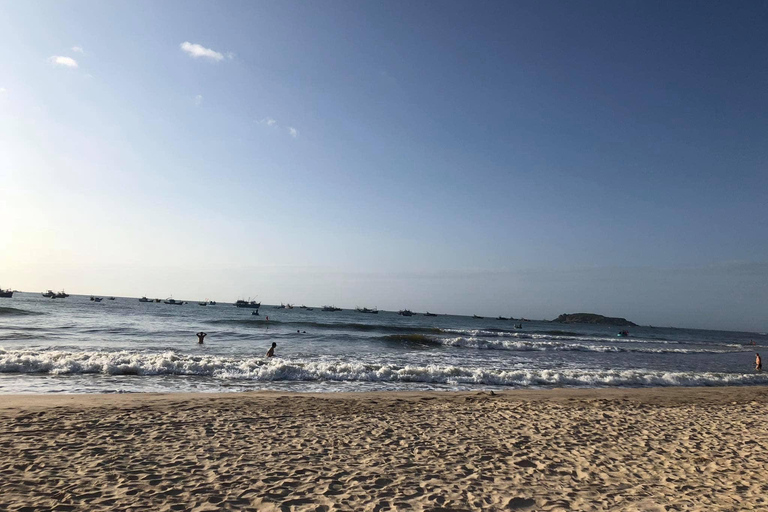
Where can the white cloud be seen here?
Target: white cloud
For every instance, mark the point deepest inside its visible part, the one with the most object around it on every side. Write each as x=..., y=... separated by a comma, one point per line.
x=230, y=55
x=293, y=131
x=58, y=60
x=3, y=90
x=198, y=100
x=268, y=121
x=196, y=50
x=77, y=49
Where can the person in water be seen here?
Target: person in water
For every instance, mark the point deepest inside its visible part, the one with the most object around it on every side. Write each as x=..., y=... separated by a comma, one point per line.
x=271, y=351
x=200, y=337
x=758, y=362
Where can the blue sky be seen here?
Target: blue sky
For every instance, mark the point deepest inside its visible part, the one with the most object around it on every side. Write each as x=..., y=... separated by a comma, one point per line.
x=524, y=159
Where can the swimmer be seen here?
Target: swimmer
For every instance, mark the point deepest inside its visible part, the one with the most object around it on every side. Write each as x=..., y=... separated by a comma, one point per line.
x=200, y=337
x=271, y=351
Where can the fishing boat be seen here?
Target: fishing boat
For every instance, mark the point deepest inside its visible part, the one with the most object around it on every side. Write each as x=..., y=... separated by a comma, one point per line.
x=373, y=311
x=60, y=295
x=144, y=299
x=110, y=298
x=480, y=317
x=7, y=294
x=174, y=302
x=430, y=314
x=49, y=293
x=405, y=312
x=331, y=308
x=212, y=302
x=98, y=299
x=247, y=304
x=281, y=306
x=157, y=300
x=204, y=303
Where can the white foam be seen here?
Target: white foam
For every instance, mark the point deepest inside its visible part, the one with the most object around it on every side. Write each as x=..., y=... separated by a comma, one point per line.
x=257, y=369
x=556, y=345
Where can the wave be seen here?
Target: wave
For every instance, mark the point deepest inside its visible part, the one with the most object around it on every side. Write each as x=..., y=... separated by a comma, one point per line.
x=258, y=369
x=542, y=346
x=17, y=312
x=344, y=326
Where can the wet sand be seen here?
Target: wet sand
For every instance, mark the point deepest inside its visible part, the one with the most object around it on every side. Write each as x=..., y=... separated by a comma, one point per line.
x=608, y=449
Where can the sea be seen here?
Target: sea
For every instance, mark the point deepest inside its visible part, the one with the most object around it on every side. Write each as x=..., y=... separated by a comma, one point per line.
x=75, y=345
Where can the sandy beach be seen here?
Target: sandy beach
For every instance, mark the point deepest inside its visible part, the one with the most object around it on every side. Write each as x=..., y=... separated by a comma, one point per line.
x=607, y=449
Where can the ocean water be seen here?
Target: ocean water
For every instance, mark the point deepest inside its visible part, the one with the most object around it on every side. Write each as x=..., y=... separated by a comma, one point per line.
x=74, y=345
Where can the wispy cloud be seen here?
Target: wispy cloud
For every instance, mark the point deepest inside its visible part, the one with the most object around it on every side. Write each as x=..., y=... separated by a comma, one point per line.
x=67, y=62
x=268, y=121
x=198, y=100
x=78, y=49
x=195, y=50
x=293, y=131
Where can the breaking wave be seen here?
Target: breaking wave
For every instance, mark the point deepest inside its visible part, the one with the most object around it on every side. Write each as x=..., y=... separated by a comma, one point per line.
x=257, y=369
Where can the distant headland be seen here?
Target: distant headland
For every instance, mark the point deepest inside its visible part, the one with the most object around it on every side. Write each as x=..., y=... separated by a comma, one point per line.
x=591, y=318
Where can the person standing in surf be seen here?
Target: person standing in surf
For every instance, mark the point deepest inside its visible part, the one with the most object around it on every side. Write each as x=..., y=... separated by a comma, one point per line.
x=271, y=351
x=200, y=337
x=758, y=362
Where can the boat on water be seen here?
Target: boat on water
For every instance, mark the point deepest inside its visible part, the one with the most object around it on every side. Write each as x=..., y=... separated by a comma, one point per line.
x=144, y=299
x=98, y=299
x=157, y=300
x=373, y=311
x=49, y=293
x=202, y=303
x=211, y=302
x=247, y=304
x=309, y=309
x=174, y=302
x=476, y=316
x=501, y=318
x=110, y=298
x=406, y=312
x=289, y=306
x=331, y=308
x=281, y=306
x=430, y=314
x=7, y=294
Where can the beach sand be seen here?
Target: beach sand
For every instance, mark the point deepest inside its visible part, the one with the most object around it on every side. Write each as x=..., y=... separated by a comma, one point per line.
x=607, y=449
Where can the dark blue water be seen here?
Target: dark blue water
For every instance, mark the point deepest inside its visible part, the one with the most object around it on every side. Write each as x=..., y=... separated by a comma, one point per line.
x=74, y=345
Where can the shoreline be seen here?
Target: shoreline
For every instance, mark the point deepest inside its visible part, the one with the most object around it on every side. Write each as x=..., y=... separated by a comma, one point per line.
x=554, y=449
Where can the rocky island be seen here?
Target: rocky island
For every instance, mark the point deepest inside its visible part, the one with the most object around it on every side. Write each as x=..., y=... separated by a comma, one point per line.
x=591, y=318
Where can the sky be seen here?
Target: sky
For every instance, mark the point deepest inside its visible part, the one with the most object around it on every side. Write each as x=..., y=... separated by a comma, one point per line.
x=522, y=159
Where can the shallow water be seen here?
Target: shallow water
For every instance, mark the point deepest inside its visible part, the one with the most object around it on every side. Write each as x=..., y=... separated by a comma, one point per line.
x=74, y=345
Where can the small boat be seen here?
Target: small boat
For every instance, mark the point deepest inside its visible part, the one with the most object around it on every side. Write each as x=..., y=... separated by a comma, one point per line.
x=202, y=303
x=373, y=311
x=405, y=312
x=331, y=308
x=211, y=302
x=480, y=317
x=98, y=299
x=247, y=304
x=309, y=309
x=6, y=293
x=110, y=298
x=289, y=306
x=281, y=306
x=157, y=300
x=93, y=298
x=174, y=302
x=144, y=299
x=430, y=314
